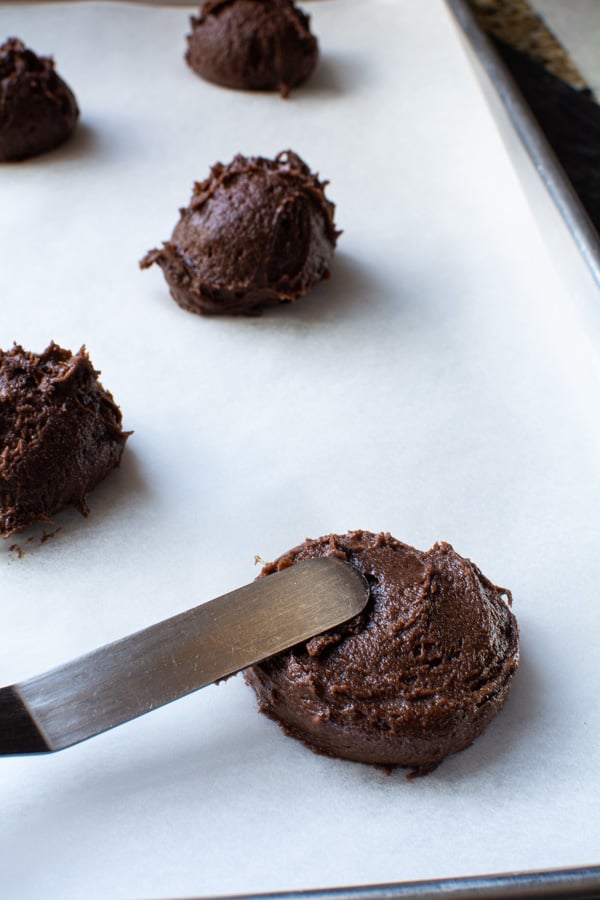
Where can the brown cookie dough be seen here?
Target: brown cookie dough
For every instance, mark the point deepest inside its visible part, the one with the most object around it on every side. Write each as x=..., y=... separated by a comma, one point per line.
x=60, y=434
x=38, y=111
x=260, y=45
x=416, y=676
x=256, y=233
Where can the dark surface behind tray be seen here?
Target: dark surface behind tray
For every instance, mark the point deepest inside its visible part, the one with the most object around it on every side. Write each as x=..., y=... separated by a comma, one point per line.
x=570, y=120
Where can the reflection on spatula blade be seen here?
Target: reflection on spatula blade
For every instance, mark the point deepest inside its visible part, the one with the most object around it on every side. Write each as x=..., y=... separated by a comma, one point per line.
x=141, y=672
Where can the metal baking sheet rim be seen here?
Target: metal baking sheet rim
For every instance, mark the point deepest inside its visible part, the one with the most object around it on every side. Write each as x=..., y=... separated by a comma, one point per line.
x=580, y=883
x=546, y=163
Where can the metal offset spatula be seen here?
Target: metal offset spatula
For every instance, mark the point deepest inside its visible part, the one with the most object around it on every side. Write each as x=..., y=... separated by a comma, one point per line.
x=141, y=672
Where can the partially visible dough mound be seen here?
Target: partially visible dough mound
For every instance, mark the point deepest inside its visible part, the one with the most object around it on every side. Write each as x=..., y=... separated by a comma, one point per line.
x=260, y=45
x=38, y=111
x=415, y=677
x=60, y=434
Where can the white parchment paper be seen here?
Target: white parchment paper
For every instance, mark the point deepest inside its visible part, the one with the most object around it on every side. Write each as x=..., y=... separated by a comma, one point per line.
x=442, y=385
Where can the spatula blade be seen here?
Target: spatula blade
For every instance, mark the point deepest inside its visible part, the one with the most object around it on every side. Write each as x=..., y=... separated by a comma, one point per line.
x=154, y=666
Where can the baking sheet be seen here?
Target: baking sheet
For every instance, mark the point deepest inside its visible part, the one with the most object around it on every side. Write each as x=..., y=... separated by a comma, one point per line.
x=442, y=385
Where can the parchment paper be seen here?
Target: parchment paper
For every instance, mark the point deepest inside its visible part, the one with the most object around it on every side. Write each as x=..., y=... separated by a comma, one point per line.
x=442, y=385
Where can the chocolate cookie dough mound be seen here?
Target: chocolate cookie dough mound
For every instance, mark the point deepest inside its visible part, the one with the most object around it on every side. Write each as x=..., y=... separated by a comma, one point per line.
x=416, y=676
x=260, y=45
x=256, y=233
x=37, y=110
x=60, y=434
